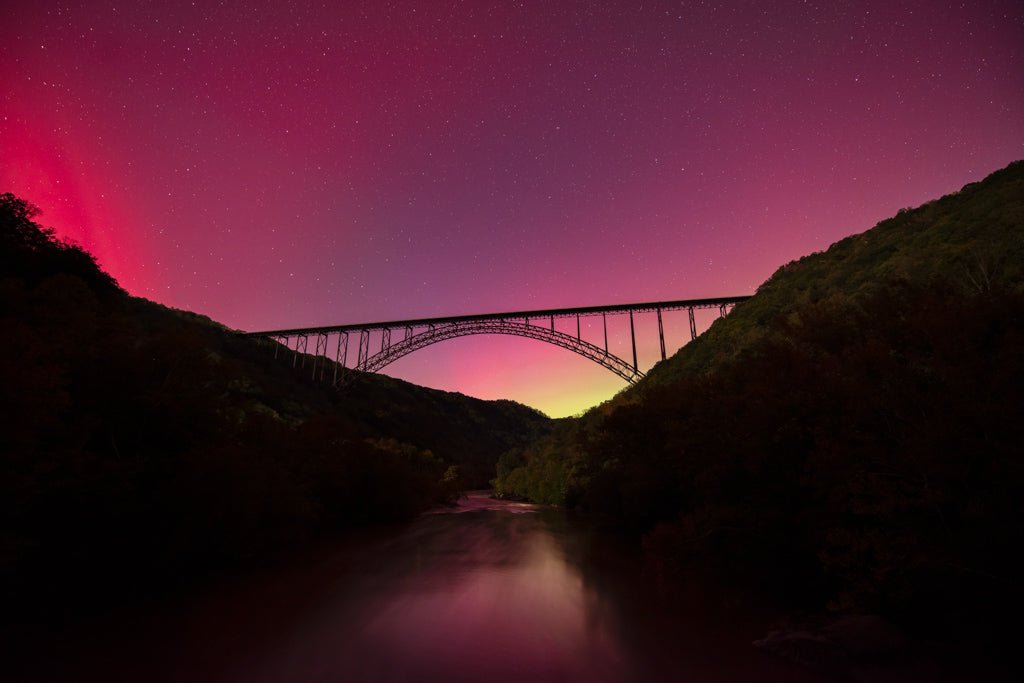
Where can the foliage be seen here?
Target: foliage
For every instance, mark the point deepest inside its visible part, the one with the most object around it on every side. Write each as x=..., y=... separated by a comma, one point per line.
x=966, y=242
x=140, y=446
x=540, y=472
x=849, y=435
x=33, y=253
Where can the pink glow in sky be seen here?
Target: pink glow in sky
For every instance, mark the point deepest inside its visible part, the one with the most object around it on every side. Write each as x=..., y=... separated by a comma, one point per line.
x=284, y=164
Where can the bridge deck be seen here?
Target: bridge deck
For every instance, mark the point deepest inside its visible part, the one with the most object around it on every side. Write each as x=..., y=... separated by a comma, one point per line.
x=513, y=315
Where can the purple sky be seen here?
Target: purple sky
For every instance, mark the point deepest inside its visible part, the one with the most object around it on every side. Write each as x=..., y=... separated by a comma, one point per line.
x=276, y=164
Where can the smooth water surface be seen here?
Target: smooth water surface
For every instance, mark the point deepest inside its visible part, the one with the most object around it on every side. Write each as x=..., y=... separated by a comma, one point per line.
x=485, y=591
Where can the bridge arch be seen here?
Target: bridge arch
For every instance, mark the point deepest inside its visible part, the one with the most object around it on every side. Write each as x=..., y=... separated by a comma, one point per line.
x=423, y=332
x=439, y=333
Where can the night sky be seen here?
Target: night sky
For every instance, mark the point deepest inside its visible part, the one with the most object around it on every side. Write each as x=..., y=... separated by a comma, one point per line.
x=280, y=164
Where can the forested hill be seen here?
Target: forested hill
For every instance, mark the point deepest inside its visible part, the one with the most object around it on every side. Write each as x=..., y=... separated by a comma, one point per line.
x=967, y=243
x=852, y=434
x=140, y=443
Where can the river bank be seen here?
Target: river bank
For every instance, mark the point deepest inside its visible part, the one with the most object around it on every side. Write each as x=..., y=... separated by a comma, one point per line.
x=485, y=589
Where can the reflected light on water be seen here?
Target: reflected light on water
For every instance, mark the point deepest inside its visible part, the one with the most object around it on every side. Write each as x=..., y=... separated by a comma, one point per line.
x=493, y=599
x=483, y=591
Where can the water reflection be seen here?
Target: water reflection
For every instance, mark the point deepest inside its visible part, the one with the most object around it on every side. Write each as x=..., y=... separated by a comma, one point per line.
x=485, y=591
x=481, y=593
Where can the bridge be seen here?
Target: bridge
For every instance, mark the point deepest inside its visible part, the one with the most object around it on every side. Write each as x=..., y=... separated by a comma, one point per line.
x=398, y=338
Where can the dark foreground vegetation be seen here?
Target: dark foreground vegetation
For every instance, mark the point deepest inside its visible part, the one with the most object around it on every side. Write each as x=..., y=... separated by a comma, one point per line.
x=851, y=438
x=142, y=446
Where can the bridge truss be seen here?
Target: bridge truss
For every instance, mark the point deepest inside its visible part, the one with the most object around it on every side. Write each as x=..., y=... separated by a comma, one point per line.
x=402, y=337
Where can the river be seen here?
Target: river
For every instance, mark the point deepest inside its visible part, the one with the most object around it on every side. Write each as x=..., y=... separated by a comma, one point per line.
x=484, y=591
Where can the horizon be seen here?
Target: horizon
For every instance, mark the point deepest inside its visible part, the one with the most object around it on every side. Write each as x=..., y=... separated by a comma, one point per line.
x=274, y=167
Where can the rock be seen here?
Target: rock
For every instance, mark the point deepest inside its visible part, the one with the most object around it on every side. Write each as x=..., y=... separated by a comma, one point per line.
x=837, y=645
x=865, y=636
x=807, y=648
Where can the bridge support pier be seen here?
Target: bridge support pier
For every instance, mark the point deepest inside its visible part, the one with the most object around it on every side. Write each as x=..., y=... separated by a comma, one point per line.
x=632, y=336
x=301, y=345
x=321, y=351
x=693, y=325
x=661, y=335
x=364, y=348
x=341, y=356
x=604, y=322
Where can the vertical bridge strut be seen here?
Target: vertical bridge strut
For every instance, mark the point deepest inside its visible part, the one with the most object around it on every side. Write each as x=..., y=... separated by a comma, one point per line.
x=661, y=335
x=422, y=332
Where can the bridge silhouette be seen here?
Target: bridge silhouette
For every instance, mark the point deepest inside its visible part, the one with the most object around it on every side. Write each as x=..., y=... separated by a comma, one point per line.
x=419, y=333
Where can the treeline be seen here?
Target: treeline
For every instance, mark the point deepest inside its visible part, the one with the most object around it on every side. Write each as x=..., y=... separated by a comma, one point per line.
x=851, y=437
x=141, y=446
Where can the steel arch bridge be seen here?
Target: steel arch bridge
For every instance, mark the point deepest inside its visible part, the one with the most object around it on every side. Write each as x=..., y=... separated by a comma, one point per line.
x=420, y=333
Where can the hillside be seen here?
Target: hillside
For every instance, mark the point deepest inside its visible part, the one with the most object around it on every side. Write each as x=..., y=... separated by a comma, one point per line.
x=143, y=446
x=970, y=242
x=849, y=437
